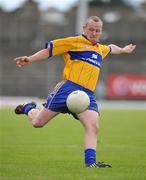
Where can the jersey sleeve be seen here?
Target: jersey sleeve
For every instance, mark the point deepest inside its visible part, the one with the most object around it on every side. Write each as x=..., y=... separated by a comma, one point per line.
x=60, y=46
x=105, y=50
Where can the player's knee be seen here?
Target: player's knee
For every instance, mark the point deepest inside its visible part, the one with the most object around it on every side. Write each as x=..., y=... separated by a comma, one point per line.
x=37, y=124
x=94, y=128
x=97, y=129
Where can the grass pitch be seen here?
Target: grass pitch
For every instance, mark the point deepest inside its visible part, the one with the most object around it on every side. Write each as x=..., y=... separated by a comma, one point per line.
x=55, y=152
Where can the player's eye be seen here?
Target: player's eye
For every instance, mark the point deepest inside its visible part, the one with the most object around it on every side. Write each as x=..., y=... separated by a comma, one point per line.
x=98, y=30
x=95, y=30
x=91, y=30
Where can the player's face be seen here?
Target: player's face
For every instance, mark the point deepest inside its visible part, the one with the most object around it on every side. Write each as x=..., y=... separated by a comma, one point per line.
x=93, y=31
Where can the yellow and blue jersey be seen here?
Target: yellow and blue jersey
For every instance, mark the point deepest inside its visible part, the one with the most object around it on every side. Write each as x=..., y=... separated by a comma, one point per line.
x=83, y=60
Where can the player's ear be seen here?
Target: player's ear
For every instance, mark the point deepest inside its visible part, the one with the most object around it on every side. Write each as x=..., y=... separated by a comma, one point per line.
x=84, y=29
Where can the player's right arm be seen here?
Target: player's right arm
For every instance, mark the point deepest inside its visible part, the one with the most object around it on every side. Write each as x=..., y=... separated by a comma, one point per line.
x=25, y=60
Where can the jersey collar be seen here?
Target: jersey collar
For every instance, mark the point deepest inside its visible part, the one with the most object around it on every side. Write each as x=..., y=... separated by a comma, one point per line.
x=88, y=40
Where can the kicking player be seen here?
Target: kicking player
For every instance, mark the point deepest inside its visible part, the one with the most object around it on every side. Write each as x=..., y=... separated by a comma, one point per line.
x=83, y=56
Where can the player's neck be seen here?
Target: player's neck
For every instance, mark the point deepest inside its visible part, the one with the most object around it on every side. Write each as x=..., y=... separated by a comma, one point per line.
x=93, y=42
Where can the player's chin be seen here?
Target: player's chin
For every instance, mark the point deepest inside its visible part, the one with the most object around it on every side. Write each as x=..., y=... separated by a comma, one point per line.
x=94, y=41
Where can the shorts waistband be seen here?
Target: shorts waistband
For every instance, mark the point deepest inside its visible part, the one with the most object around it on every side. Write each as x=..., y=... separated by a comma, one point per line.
x=79, y=86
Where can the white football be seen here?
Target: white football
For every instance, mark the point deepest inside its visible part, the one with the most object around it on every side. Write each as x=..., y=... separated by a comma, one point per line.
x=78, y=101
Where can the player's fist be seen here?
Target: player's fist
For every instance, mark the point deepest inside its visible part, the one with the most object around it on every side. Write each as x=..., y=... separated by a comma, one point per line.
x=22, y=61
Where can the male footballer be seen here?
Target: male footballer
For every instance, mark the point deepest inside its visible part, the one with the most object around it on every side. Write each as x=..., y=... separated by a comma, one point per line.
x=83, y=56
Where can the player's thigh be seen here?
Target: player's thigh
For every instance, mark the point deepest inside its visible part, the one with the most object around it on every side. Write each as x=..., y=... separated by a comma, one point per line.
x=45, y=115
x=89, y=118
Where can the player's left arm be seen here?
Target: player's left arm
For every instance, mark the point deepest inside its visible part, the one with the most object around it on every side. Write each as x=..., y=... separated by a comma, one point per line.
x=119, y=50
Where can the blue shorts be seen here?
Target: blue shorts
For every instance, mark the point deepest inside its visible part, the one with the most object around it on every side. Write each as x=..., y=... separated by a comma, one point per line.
x=56, y=100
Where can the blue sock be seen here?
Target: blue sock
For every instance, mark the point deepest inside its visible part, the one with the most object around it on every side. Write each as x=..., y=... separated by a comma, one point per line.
x=90, y=156
x=28, y=107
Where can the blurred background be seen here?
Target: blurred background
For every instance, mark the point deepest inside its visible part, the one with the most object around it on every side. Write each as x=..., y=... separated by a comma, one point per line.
x=26, y=25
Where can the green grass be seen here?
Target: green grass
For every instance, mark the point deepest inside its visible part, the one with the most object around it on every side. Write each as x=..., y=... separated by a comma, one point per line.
x=55, y=152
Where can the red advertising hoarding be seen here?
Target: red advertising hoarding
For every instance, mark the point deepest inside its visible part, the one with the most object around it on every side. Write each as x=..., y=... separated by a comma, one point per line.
x=126, y=86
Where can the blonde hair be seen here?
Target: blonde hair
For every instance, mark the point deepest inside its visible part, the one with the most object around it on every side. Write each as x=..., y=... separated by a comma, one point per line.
x=94, y=18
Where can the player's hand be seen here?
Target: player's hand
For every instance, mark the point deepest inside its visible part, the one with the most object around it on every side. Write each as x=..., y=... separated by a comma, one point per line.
x=129, y=48
x=22, y=61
